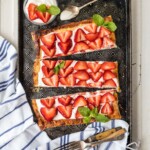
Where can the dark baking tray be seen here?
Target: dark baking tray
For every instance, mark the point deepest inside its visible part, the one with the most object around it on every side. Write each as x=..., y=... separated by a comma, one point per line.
x=120, y=11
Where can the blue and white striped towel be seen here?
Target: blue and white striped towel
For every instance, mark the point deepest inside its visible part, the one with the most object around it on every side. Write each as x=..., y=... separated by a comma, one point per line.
x=17, y=128
x=91, y=129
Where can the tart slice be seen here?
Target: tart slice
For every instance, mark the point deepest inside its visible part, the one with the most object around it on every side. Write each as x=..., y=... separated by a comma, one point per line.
x=77, y=37
x=63, y=110
x=71, y=73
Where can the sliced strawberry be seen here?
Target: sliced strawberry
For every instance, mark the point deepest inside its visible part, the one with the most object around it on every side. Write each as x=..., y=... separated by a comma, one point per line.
x=32, y=11
x=80, y=101
x=109, y=83
x=108, y=66
x=47, y=81
x=64, y=36
x=107, y=109
x=67, y=63
x=95, y=76
x=95, y=101
x=65, y=100
x=91, y=100
x=49, y=63
x=108, y=97
x=108, y=43
x=108, y=75
x=48, y=40
x=91, y=36
x=92, y=28
x=79, y=36
x=63, y=81
x=91, y=106
x=48, y=52
x=69, y=80
x=48, y=102
x=78, y=115
x=80, y=46
x=95, y=67
x=104, y=32
x=81, y=65
x=66, y=111
x=82, y=83
x=47, y=72
x=65, y=72
x=65, y=47
x=53, y=81
x=81, y=75
x=43, y=16
x=96, y=44
x=48, y=114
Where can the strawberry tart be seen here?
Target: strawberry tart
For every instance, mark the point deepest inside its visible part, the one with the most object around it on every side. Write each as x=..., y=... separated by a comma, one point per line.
x=73, y=38
x=63, y=110
x=72, y=73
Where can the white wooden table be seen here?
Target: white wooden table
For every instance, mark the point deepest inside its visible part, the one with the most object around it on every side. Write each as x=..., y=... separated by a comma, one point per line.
x=140, y=54
x=9, y=20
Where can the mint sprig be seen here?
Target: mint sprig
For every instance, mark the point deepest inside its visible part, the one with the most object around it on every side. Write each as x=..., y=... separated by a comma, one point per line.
x=92, y=114
x=58, y=67
x=99, y=21
x=53, y=10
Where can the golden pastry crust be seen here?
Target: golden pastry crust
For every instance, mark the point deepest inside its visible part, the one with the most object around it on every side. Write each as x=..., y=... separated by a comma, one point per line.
x=36, y=35
x=116, y=114
x=43, y=124
x=36, y=69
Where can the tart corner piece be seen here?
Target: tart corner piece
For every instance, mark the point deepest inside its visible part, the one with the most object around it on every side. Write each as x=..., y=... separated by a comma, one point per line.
x=63, y=110
x=73, y=38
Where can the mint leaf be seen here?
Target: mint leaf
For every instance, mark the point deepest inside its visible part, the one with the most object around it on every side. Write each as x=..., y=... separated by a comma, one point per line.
x=94, y=112
x=56, y=69
x=59, y=66
x=112, y=26
x=101, y=118
x=62, y=64
x=53, y=10
x=99, y=20
x=86, y=119
x=84, y=111
x=42, y=8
